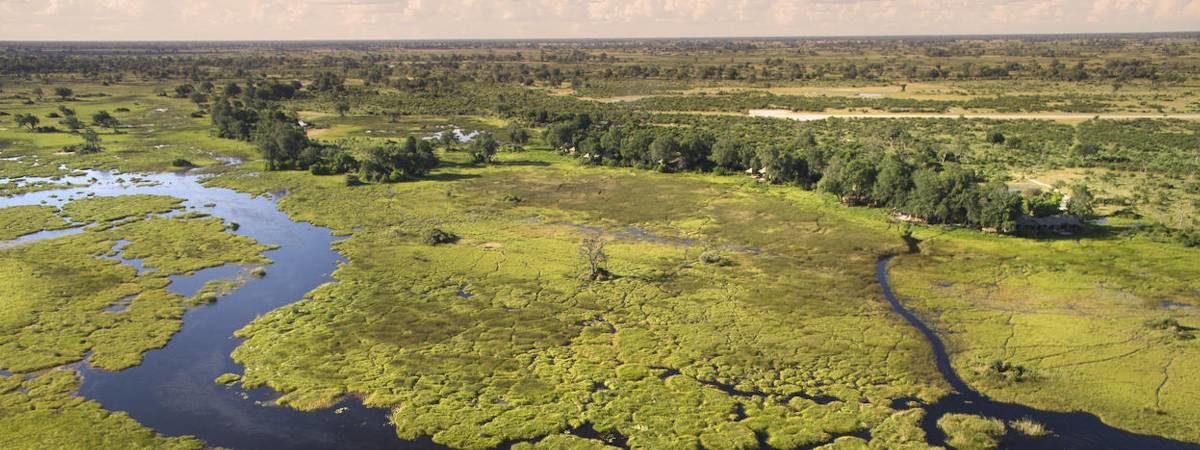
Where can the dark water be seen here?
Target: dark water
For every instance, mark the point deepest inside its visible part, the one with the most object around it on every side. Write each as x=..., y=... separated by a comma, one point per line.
x=1074, y=430
x=173, y=391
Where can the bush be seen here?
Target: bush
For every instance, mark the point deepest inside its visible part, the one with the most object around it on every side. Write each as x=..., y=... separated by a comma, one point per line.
x=1028, y=427
x=437, y=237
x=352, y=180
x=180, y=162
x=716, y=259
x=1084, y=150
x=1005, y=372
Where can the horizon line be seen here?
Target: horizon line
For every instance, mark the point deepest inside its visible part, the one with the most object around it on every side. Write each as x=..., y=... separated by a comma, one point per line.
x=617, y=38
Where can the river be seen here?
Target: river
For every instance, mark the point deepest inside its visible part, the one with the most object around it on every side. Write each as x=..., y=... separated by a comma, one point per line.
x=173, y=390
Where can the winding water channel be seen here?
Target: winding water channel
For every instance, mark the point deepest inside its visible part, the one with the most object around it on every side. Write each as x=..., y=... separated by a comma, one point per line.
x=173, y=390
x=1074, y=430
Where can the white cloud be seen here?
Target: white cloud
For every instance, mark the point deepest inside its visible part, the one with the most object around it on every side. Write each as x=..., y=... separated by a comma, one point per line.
x=325, y=19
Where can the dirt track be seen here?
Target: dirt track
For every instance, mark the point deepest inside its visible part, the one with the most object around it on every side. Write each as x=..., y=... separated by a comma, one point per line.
x=809, y=116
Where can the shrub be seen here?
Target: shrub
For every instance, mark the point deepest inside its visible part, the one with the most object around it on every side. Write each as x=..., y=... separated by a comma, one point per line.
x=1005, y=372
x=352, y=180
x=437, y=237
x=1028, y=427
x=715, y=258
x=180, y=162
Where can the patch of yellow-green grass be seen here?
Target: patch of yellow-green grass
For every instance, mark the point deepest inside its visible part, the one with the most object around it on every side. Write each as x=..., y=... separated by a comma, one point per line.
x=17, y=221
x=1029, y=427
x=901, y=430
x=178, y=245
x=9, y=189
x=563, y=442
x=108, y=209
x=1066, y=324
x=846, y=443
x=215, y=289
x=58, y=292
x=44, y=412
x=968, y=432
x=497, y=337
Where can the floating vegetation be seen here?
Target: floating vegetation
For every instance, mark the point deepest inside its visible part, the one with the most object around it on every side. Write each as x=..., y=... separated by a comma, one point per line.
x=969, y=432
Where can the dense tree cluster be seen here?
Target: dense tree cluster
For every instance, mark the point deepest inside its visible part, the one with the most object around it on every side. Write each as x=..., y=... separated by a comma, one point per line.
x=394, y=161
x=921, y=183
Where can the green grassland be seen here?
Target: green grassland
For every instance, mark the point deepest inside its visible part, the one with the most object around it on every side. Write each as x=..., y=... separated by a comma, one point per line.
x=153, y=133
x=498, y=339
x=21, y=220
x=1073, y=319
x=57, y=296
x=57, y=290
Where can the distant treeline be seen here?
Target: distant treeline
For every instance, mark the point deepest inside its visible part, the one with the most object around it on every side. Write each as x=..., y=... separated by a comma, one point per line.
x=1168, y=58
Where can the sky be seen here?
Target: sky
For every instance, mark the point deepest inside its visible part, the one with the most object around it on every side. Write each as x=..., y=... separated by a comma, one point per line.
x=469, y=19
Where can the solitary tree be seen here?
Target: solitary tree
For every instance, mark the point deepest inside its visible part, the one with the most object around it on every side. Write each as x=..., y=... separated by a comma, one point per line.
x=483, y=148
x=39, y=93
x=1081, y=203
x=28, y=120
x=198, y=98
x=184, y=90
x=591, y=251
x=343, y=107
x=106, y=120
x=63, y=92
x=72, y=122
x=448, y=139
x=91, y=141
x=517, y=134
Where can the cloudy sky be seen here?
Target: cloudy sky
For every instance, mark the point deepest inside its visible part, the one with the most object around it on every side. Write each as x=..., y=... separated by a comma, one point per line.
x=433, y=19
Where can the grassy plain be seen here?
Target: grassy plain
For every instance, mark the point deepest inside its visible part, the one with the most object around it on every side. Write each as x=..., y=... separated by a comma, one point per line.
x=1078, y=317
x=496, y=339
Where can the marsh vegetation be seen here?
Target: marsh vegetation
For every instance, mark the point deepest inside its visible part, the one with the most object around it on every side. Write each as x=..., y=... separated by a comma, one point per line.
x=590, y=245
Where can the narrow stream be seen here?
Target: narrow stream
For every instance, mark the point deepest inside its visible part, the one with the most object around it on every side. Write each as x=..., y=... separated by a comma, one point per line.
x=1074, y=430
x=173, y=390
